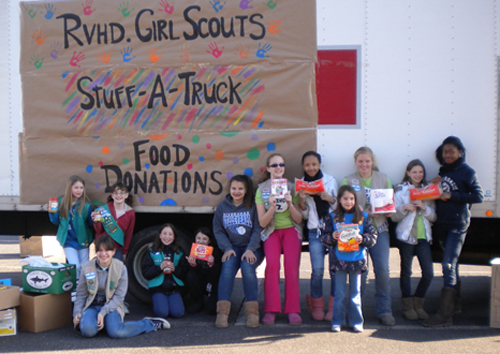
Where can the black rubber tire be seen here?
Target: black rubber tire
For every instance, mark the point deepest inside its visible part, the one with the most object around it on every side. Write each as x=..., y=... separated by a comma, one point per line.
x=141, y=242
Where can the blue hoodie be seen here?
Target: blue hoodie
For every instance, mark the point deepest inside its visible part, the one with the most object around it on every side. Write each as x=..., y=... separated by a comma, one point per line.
x=461, y=181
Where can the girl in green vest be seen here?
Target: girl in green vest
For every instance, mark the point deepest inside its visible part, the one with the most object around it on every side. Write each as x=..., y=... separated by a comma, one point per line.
x=166, y=267
x=75, y=223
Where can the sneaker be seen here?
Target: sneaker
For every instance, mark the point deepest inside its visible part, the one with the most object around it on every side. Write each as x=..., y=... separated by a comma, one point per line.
x=387, y=320
x=268, y=318
x=358, y=328
x=335, y=328
x=159, y=323
x=294, y=319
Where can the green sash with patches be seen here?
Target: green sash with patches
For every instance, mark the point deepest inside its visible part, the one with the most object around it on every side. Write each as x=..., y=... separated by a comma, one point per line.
x=111, y=226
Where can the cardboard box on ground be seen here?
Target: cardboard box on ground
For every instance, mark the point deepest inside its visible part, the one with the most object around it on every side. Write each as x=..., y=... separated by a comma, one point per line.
x=8, y=323
x=43, y=312
x=9, y=298
x=46, y=246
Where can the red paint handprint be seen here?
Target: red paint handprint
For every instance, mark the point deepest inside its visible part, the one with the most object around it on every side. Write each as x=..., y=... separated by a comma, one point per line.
x=167, y=7
x=87, y=7
x=76, y=58
x=214, y=50
x=38, y=37
x=103, y=57
x=153, y=56
x=273, y=26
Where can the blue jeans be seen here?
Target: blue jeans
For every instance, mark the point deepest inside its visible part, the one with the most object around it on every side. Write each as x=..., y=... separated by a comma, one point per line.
x=452, y=241
x=317, y=253
x=354, y=310
x=112, y=324
x=77, y=257
x=229, y=270
x=168, y=305
x=380, y=259
x=423, y=252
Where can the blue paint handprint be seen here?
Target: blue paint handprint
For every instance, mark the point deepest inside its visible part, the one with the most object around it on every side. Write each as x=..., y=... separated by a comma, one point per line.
x=261, y=52
x=49, y=11
x=126, y=52
x=216, y=5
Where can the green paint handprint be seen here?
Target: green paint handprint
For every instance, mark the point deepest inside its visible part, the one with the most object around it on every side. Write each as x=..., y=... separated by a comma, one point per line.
x=29, y=9
x=35, y=61
x=124, y=9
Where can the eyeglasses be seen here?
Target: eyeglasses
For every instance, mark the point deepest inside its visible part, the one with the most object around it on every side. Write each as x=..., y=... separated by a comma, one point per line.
x=274, y=165
x=120, y=194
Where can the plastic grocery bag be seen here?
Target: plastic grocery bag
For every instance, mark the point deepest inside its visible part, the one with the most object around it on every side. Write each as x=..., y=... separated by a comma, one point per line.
x=38, y=261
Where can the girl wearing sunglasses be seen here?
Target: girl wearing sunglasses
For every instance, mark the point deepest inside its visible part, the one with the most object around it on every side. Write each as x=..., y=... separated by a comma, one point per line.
x=280, y=216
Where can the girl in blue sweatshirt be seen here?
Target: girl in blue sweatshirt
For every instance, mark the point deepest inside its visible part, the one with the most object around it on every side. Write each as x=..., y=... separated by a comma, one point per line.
x=351, y=263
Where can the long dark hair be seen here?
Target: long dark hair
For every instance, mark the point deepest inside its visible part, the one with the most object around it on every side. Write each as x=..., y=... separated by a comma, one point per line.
x=121, y=187
x=453, y=140
x=412, y=164
x=340, y=211
x=158, y=246
x=249, y=195
x=205, y=230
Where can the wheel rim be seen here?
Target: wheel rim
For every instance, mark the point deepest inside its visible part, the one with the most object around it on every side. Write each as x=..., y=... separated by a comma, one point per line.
x=138, y=260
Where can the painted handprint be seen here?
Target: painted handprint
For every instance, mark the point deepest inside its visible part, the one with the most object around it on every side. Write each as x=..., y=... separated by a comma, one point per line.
x=261, y=52
x=242, y=52
x=76, y=58
x=103, y=57
x=271, y=4
x=124, y=9
x=245, y=4
x=35, y=61
x=38, y=37
x=165, y=6
x=185, y=54
x=273, y=26
x=87, y=7
x=214, y=50
x=49, y=11
x=126, y=54
x=216, y=5
x=153, y=56
x=56, y=47
x=29, y=10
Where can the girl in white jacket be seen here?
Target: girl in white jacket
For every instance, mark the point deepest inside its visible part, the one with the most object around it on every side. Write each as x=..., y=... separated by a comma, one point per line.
x=415, y=236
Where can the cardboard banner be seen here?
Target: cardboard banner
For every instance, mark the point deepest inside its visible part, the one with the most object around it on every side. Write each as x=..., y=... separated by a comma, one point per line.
x=171, y=97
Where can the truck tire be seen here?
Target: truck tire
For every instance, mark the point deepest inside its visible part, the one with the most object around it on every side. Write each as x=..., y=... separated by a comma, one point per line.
x=141, y=242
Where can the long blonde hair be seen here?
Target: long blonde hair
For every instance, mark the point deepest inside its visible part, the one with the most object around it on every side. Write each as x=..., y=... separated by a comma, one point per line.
x=368, y=151
x=266, y=175
x=67, y=199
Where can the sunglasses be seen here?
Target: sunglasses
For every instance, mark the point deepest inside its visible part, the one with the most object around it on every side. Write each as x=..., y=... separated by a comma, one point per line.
x=274, y=165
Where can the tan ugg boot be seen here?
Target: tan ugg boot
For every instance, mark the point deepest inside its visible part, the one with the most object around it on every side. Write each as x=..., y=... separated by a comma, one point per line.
x=252, y=312
x=418, y=305
x=223, y=309
x=408, y=310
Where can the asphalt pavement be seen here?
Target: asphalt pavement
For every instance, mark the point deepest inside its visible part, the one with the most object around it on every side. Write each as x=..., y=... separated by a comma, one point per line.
x=196, y=333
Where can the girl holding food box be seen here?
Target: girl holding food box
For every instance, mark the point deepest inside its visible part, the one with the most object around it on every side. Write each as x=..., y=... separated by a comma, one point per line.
x=116, y=219
x=315, y=207
x=414, y=233
x=353, y=233
x=366, y=178
x=237, y=231
x=461, y=188
x=73, y=217
x=281, y=218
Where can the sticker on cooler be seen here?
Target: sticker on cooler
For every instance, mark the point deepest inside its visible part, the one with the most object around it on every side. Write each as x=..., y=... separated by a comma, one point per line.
x=39, y=280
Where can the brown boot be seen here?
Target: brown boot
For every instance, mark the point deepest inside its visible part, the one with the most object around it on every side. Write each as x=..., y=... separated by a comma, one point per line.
x=223, y=309
x=458, y=301
x=329, y=314
x=408, y=310
x=445, y=312
x=316, y=307
x=252, y=311
x=418, y=305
